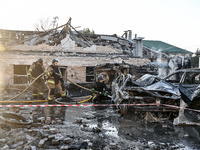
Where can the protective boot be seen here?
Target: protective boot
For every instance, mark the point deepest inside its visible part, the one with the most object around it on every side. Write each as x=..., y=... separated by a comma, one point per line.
x=34, y=97
x=41, y=97
x=51, y=101
x=66, y=98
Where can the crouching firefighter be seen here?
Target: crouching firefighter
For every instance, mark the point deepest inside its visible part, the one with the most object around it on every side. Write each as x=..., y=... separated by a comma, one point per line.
x=34, y=71
x=99, y=90
x=55, y=81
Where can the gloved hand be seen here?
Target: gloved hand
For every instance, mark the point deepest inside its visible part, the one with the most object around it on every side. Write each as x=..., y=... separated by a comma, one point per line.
x=93, y=90
x=105, y=93
x=61, y=80
x=53, y=72
x=44, y=78
x=29, y=78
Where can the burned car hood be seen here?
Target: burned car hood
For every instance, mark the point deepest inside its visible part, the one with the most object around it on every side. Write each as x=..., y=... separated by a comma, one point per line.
x=146, y=80
x=163, y=86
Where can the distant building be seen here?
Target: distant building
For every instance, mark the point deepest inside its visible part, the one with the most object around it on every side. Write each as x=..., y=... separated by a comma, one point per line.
x=165, y=47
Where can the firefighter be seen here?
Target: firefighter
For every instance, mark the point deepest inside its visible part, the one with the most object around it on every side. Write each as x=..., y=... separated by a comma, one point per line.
x=55, y=81
x=34, y=71
x=187, y=62
x=178, y=65
x=101, y=88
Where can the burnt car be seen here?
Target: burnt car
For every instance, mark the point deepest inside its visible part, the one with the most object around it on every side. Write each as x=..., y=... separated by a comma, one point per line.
x=145, y=90
x=181, y=84
x=188, y=83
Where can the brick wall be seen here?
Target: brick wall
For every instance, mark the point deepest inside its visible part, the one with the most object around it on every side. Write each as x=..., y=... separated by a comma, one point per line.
x=76, y=74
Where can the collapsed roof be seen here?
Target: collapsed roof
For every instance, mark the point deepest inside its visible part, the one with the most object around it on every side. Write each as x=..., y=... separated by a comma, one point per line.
x=57, y=37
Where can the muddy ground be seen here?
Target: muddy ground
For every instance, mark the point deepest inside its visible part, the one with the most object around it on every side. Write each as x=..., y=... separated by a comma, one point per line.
x=94, y=128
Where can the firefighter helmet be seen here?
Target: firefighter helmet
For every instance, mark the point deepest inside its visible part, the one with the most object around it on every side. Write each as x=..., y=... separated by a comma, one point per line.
x=54, y=60
x=100, y=77
x=40, y=60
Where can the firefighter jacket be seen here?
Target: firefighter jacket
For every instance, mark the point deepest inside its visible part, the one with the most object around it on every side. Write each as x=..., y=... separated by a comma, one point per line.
x=187, y=62
x=98, y=86
x=178, y=62
x=51, y=76
x=35, y=70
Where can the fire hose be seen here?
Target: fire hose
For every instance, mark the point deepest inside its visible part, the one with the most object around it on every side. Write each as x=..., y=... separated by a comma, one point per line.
x=10, y=100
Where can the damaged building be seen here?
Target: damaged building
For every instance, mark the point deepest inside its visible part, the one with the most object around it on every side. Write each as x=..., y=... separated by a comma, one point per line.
x=78, y=53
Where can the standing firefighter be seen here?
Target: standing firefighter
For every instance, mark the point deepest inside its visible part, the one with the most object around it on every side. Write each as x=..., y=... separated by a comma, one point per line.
x=178, y=65
x=55, y=81
x=101, y=88
x=34, y=71
x=187, y=62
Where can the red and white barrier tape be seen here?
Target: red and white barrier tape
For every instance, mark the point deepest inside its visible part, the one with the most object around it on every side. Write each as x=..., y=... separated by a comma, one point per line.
x=180, y=107
x=87, y=105
x=77, y=105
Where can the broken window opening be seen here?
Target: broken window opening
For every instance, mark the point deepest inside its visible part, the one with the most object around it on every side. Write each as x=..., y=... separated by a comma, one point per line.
x=20, y=74
x=89, y=74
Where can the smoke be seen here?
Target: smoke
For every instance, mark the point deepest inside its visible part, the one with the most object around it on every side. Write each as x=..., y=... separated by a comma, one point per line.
x=162, y=70
x=165, y=68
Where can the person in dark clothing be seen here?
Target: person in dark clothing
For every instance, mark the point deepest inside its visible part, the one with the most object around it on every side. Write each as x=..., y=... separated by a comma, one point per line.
x=55, y=81
x=34, y=71
x=178, y=66
x=99, y=90
x=187, y=62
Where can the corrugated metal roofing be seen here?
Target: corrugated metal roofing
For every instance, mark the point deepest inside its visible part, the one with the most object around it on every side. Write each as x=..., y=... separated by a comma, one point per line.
x=164, y=47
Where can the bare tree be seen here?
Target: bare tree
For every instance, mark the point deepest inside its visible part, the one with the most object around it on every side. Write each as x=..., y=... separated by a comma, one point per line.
x=43, y=24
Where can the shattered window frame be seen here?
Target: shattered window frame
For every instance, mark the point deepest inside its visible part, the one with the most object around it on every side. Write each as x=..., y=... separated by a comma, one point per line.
x=90, y=74
x=20, y=74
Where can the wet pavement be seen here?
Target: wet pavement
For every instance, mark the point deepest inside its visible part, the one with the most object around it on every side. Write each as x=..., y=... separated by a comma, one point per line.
x=96, y=128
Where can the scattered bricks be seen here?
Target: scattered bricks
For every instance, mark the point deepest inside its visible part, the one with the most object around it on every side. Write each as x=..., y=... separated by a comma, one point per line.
x=35, y=131
x=55, y=142
x=97, y=129
x=2, y=140
x=33, y=148
x=164, y=126
x=48, y=120
x=46, y=127
x=39, y=124
x=41, y=143
x=64, y=148
x=5, y=147
x=41, y=119
x=89, y=145
x=45, y=135
x=30, y=131
x=85, y=125
x=54, y=130
x=51, y=137
x=26, y=148
x=112, y=146
x=59, y=121
x=67, y=140
x=53, y=122
x=79, y=121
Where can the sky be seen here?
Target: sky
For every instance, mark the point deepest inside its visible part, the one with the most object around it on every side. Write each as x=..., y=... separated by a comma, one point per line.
x=176, y=22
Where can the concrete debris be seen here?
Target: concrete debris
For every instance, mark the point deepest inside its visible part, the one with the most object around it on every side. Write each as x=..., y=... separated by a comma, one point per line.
x=182, y=119
x=55, y=142
x=64, y=147
x=90, y=145
x=41, y=143
x=48, y=120
x=113, y=146
x=51, y=137
x=54, y=130
x=67, y=140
